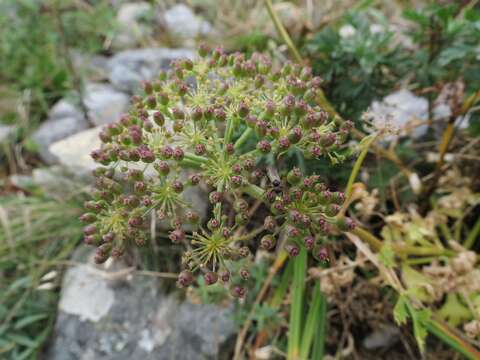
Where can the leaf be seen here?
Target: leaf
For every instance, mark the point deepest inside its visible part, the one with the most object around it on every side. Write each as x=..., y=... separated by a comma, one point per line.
x=387, y=255
x=400, y=311
x=29, y=320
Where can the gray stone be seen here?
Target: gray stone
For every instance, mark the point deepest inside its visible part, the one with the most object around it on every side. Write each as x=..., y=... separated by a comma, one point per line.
x=5, y=132
x=106, y=316
x=384, y=337
x=182, y=23
x=21, y=181
x=64, y=120
x=93, y=67
x=131, y=24
x=128, y=68
x=56, y=182
x=73, y=152
x=104, y=103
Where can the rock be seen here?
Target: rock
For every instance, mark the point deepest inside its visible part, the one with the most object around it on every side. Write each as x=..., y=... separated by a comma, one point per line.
x=93, y=67
x=103, y=315
x=132, y=27
x=128, y=68
x=384, y=337
x=402, y=110
x=104, y=103
x=56, y=182
x=64, y=120
x=5, y=132
x=20, y=181
x=182, y=23
x=73, y=152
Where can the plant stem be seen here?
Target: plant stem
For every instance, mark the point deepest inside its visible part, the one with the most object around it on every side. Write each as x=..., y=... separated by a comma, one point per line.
x=314, y=321
x=442, y=331
x=473, y=235
x=195, y=158
x=365, y=144
x=319, y=342
x=282, y=32
x=244, y=137
x=296, y=307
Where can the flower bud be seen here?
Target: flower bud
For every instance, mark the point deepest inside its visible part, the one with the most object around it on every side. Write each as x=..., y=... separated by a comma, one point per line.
x=238, y=291
x=192, y=217
x=267, y=242
x=292, y=249
x=244, y=274
x=264, y=146
x=213, y=224
x=241, y=219
x=240, y=206
x=158, y=118
x=225, y=276
x=176, y=236
x=345, y=223
x=177, y=186
x=185, y=278
x=309, y=242
x=194, y=179
x=215, y=197
x=294, y=176
x=88, y=218
x=200, y=149
x=210, y=277
x=162, y=167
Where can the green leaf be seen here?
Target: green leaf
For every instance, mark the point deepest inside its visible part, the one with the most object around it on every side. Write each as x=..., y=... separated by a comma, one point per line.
x=387, y=255
x=400, y=311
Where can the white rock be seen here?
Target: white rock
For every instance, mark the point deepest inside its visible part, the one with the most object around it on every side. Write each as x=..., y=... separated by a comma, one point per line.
x=85, y=294
x=128, y=68
x=181, y=22
x=104, y=103
x=74, y=152
x=130, y=19
x=56, y=129
x=5, y=131
x=401, y=109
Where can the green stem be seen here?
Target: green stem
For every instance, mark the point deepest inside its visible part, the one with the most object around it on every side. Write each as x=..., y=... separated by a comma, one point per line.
x=241, y=140
x=314, y=320
x=473, y=235
x=195, y=158
x=281, y=30
x=365, y=143
x=254, y=191
x=319, y=343
x=296, y=307
x=447, y=336
x=228, y=130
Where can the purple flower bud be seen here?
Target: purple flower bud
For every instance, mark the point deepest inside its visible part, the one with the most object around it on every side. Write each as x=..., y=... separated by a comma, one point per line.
x=284, y=143
x=236, y=180
x=88, y=218
x=177, y=186
x=220, y=115
x=322, y=254
x=238, y=291
x=292, y=249
x=244, y=251
x=240, y=205
x=90, y=230
x=192, y=217
x=267, y=242
x=200, y=149
x=244, y=274
x=213, y=224
x=185, y=278
x=109, y=237
x=135, y=221
x=139, y=187
x=163, y=98
x=210, y=277
x=251, y=120
x=178, y=154
x=292, y=231
x=176, y=236
x=225, y=276
x=197, y=114
x=151, y=102
x=166, y=152
x=248, y=164
x=226, y=232
x=241, y=219
x=162, y=167
x=243, y=109
x=92, y=240
x=146, y=154
x=194, y=179
x=215, y=197
x=203, y=50
x=229, y=148
x=158, y=118
x=309, y=242
x=264, y=146
x=261, y=127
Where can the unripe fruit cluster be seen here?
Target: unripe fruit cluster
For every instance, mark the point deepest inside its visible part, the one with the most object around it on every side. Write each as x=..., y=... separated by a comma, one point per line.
x=209, y=122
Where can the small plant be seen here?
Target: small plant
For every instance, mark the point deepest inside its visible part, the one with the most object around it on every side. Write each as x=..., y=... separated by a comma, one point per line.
x=224, y=122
